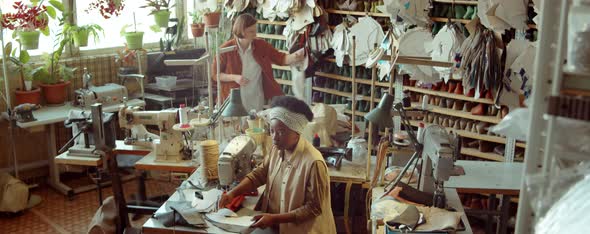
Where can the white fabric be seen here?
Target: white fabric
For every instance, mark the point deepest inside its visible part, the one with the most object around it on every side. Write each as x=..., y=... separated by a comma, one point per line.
x=368, y=32
x=413, y=12
x=415, y=42
x=298, y=73
x=500, y=15
x=251, y=93
x=294, y=121
x=445, y=45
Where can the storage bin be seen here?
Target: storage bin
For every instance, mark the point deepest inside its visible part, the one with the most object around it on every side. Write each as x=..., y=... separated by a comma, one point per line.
x=166, y=82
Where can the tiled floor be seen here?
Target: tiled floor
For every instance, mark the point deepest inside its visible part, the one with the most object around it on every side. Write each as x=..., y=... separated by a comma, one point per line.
x=58, y=214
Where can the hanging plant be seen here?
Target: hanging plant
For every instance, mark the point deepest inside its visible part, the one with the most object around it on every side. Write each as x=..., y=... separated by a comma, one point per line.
x=107, y=8
x=29, y=21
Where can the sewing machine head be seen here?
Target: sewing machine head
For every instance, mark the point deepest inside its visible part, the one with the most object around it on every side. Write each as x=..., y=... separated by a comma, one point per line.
x=236, y=160
x=168, y=145
x=24, y=112
x=108, y=94
x=439, y=154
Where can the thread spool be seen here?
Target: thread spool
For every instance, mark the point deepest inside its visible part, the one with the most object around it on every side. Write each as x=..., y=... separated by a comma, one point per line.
x=209, y=151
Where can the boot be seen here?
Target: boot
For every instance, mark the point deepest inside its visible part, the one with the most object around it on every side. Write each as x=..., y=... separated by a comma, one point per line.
x=459, y=88
x=458, y=105
x=452, y=86
x=479, y=109
x=460, y=12
x=469, y=12
x=471, y=92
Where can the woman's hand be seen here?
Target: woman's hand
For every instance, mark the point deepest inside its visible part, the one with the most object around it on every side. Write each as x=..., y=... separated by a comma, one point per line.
x=241, y=80
x=225, y=199
x=263, y=220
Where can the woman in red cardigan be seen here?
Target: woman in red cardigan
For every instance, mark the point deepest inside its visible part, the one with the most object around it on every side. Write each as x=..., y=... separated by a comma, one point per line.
x=249, y=66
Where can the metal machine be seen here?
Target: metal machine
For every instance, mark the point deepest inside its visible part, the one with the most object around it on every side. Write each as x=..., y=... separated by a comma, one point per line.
x=81, y=124
x=438, y=151
x=438, y=156
x=107, y=94
x=236, y=160
x=169, y=145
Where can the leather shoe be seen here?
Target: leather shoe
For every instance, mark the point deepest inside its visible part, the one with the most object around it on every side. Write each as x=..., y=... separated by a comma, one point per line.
x=479, y=109
x=471, y=92
x=452, y=86
x=459, y=88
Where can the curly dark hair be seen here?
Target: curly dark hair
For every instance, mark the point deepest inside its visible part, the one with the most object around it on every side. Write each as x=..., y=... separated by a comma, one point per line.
x=292, y=104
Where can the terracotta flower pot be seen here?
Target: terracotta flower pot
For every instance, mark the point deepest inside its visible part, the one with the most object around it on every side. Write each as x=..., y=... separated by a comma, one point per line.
x=198, y=29
x=55, y=94
x=211, y=20
x=33, y=96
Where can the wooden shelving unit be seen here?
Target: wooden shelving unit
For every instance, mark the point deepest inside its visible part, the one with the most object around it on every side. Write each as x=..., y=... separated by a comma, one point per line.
x=444, y=20
x=448, y=95
x=483, y=155
x=284, y=82
x=272, y=22
x=356, y=13
x=461, y=114
x=343, y=94
x=462, y=2
x=278, y=67
x=348, y=79
x=472, y=135
x=271, y=36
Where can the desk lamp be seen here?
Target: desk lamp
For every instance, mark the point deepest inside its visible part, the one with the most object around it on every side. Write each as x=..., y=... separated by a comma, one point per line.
x=234, y=108
x=382, y=114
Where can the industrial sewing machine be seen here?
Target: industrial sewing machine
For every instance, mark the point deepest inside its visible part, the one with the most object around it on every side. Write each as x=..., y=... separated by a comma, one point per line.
x=236, y=160
x=107, y=94
x=81, y=124
x=169, y=145
x=439, y=154
x=438, y=150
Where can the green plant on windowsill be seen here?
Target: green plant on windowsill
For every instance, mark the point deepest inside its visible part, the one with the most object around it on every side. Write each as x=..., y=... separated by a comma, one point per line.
x=161, y=11
x=80, y=34
x=197, y=25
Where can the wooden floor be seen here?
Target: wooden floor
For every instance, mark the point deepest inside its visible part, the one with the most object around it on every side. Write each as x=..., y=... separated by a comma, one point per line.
x=58, y=214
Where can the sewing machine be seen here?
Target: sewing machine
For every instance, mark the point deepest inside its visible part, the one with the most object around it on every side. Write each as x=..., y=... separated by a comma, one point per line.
x=81, y=124
x=169, y=145
x=236, y=160
x=439, y=154
x=107, y=94
x=24, y=112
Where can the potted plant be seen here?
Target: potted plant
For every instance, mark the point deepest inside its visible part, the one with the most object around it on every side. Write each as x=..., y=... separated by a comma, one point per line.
x=29, y=21
x=211, y=17
x=133, y=38
x=127, y=60
x=55, y=76
x=197, y=27
x=26, y=93
x=160, y=10
x=79, y=34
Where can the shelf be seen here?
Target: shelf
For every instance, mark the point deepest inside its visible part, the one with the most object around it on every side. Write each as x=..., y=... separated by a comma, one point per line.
x=478, y=154
x=357, y=13
x=284, y=82
x=271, y=36
x=344, y=94
x=411, y=60
x=462, y=2
x=284, y=68
x=272, y=22
x=576, y=83
x=348, y=79
x=357, y=113
x=468, y=134
x=444, y=20
x=534, y=26
x=462, y=114
x=448, y=95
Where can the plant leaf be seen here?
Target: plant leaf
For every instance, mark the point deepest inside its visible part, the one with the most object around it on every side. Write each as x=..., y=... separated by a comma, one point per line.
x=8, y=48
x=57, y=4
x=50, y=12
x=24, y=56
x=45, y=31
x=155, y=28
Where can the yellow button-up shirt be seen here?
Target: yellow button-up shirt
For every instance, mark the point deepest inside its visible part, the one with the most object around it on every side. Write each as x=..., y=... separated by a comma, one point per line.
x=296, y=182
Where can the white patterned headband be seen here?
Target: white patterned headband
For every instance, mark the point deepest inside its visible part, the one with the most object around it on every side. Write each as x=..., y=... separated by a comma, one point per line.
x=294, y=121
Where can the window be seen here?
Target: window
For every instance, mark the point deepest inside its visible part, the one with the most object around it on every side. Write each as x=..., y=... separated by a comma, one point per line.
x=45, y=42
x=112, y=27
